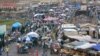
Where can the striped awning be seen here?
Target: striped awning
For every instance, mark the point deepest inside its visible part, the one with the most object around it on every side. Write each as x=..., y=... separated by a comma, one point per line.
x=7, y=5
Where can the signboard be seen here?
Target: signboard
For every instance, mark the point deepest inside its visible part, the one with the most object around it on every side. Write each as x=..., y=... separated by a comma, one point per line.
x=2, y=29
x=83, y=7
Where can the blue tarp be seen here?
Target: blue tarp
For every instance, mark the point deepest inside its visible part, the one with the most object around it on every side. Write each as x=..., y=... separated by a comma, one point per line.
x=16, y=24
x=97, y=47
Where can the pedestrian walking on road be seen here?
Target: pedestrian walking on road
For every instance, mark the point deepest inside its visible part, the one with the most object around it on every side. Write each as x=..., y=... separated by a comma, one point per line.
x=7, y=50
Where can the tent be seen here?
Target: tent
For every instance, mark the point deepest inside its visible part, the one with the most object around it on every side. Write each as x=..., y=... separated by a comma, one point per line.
x=33, y=34
x=16, y=24
x=96, y=47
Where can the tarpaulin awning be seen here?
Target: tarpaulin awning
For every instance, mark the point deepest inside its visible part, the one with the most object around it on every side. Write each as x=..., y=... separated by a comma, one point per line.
x=77, y=43
x=97, y=47
x=81, y=38
x=85, y=46
x=7, y=5
x=73, y=44
x=16, y=24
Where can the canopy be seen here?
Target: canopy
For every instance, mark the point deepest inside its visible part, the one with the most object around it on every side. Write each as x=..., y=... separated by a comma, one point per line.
x=85, y=46
x=77, y=43
x=16, y=24
x=50, y=19
x=73, y=44
x=33, y=34
x=96, y=47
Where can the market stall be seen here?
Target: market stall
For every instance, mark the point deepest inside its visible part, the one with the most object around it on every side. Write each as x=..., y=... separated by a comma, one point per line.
x=79, y=48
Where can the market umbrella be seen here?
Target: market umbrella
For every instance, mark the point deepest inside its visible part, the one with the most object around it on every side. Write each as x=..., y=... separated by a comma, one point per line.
x=16, y=24
x=33, y=34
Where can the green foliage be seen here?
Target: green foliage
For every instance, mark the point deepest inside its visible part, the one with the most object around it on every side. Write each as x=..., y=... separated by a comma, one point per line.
x=10, y=22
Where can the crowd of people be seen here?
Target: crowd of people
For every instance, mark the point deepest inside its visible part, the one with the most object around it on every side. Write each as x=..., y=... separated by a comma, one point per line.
x=44, y=20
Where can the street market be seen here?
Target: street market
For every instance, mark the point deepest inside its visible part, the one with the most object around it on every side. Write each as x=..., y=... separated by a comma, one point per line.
x=50, y=28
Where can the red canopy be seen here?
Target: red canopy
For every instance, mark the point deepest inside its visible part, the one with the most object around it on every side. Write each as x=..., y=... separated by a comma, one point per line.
x=8, y=5
x=50, y=19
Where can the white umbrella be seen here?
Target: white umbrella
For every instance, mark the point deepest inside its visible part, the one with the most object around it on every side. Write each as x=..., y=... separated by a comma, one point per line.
x=33, y=34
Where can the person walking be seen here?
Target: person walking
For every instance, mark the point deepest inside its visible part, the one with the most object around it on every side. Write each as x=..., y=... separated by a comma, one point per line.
x=44, y=49
x=7, y=50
